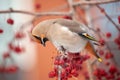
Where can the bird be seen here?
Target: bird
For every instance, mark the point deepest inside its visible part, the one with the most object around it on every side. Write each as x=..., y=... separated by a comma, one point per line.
x=66, y=35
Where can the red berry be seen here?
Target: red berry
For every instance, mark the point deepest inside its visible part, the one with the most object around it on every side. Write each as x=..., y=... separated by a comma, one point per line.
x=10, y=45
x=2, y=69
x=61, y=62
x=73, y=71
x=56, y=62
x=19, y=35
x=96, y=72
x=52, y=74
x=75, y=74
x=102, y=72
x=118, y=73
x=108, y=35
x=101, y=52
x=98, y=29
x=69, y=76
x=64, y=78
x=102, y=10
x=80, y=62
x=6, y=55
x=10, y=21
x=63, y=73
x=86, y=75
x=108, y=55
x=11, y=69
x=102, y=42
x=37, y=6
x=85, y=57
x=117, y=41
x=18, y=49
x=110, y=77
x=1, y=31
x=119, y=19
x=68, y=69
x=118, y=78
x=112, y=69
x=107, y=63
x=67, y=17
x=119, y=47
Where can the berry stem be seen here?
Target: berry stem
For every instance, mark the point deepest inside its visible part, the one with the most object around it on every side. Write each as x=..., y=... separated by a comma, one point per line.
x=59, y=72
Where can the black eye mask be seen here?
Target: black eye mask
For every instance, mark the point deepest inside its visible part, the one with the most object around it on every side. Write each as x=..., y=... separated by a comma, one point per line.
x=38, y=38
x=44, y=39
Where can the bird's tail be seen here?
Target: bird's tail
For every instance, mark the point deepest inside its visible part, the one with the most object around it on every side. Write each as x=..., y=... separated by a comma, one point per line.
x=89, y=47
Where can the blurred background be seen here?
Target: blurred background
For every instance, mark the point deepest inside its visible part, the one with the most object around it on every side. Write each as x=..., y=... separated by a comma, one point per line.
x=23, y=59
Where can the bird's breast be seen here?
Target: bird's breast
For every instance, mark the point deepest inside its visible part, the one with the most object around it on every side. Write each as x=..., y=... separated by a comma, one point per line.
x=75, y=44
x=70, y=41
x=62, y=36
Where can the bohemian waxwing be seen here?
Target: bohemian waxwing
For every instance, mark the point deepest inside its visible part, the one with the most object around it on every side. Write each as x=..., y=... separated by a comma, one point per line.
x=65, y=35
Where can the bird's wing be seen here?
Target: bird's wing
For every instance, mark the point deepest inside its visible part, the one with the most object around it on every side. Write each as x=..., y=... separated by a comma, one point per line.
x=72, y=25
x=75, y=27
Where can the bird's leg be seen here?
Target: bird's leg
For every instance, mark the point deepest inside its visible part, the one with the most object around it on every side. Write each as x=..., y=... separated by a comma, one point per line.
x=62, y=51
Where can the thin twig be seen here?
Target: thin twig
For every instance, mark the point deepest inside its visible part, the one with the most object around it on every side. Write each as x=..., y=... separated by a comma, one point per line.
x=102, y=17
x=106, y=45
x=59, y=72
x=94, y=2
x=17, y=11
x=57, y=13
x=35, y=14
x=88, y=19
x=108, y=17
x=70, y=3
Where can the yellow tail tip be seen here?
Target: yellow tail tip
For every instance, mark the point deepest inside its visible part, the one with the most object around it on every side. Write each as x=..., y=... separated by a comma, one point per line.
x=99, y=59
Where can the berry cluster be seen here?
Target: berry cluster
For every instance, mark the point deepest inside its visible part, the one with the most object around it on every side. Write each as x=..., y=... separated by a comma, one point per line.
x=109, y=71
x=11, y=69
x=69, y=66
x=103, y=74
x=11, y=48
x=16, y=49
x=19, y=35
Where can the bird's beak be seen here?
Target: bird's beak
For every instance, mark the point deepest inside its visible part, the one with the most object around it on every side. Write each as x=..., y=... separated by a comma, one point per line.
x=42, y=42
x=42, y=39
x=39, y=39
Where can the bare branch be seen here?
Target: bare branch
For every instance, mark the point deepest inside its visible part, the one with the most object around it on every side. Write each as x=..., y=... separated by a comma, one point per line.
x=94, y=2
x=35, y=14
x=108, y=17
x=17, y=11
x=53, y=13
x=57, y=13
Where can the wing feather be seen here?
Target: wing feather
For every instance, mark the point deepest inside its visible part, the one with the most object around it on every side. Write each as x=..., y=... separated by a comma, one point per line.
x=72, y=25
